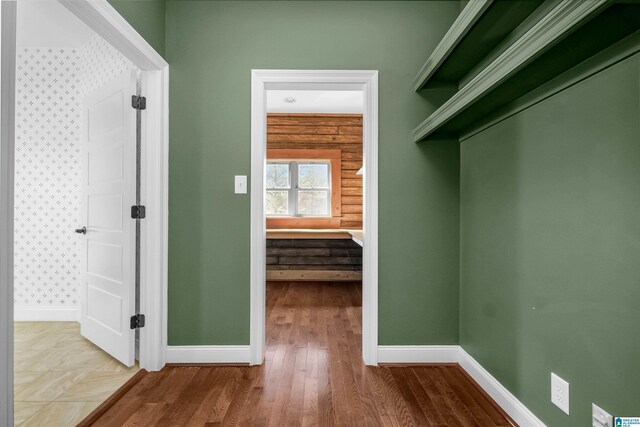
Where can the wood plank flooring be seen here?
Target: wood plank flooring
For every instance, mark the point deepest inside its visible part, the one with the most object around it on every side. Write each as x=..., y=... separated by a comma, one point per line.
x=313, y=375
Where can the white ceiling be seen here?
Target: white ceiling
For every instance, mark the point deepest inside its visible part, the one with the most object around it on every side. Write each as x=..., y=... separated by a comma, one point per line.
x=315, y=101
x=46, y=23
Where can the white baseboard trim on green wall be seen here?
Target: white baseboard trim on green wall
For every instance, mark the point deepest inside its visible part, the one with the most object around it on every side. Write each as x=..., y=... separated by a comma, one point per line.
x=46, y=314
x=418, y=353
x=503, y=397
x=456, y=354
x=208, y=354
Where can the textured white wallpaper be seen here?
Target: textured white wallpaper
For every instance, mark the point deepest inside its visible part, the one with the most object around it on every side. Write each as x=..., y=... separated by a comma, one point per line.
x=100, y=62
x=50, y=86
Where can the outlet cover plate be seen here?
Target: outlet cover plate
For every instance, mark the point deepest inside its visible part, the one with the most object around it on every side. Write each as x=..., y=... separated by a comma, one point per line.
x=600, y=417
x=560, y=393
x=240, y=186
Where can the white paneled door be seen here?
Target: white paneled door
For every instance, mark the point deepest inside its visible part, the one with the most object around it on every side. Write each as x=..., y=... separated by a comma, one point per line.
x=109, y=191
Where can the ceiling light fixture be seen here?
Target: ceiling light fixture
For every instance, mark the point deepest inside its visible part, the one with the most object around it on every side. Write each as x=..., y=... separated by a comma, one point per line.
x=290, y=100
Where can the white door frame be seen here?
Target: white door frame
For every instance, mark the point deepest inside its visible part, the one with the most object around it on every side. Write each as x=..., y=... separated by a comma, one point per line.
x=107, y=22
x=367, y=82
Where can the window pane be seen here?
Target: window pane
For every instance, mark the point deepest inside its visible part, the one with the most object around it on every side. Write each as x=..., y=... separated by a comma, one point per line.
x=312, y=203
x=277, y=175
x=313, y=175
x=277, y=202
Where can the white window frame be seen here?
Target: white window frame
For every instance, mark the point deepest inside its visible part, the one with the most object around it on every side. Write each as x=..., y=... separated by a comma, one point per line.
x=294, y=188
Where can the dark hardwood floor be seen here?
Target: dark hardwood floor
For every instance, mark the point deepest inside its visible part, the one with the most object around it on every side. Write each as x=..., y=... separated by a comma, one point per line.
x=313, y=376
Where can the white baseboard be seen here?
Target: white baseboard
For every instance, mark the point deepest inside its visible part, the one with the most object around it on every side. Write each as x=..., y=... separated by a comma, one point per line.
x=418, y=353
x=46, y=314
x=503, y=397
x=208, y=354
x=456, y=354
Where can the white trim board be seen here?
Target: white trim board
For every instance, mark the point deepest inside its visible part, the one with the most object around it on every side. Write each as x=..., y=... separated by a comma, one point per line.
x=418, y=353
x=46, y=314
x=108, y=23
x=7, y=138
x=503, y=397
x=208, y=354
x=334, y=80
x=456, y=354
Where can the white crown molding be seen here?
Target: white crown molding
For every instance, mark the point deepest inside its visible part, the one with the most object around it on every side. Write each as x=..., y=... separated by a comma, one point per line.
x=46, y=314
x=460, y=27
x=399, y=354
x=208, y=354
x=559, y=22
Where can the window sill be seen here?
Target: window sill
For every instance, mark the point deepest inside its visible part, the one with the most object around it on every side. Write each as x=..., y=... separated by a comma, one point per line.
x=302, y=222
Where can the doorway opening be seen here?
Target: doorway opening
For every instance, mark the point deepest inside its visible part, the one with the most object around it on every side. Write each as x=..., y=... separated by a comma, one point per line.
x=80, y=259
x=313, y=207
x=314, y=203
x=75, y=245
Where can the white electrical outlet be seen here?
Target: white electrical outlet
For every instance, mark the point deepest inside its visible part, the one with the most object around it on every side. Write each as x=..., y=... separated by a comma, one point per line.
x=600, y=417
x=560, y=393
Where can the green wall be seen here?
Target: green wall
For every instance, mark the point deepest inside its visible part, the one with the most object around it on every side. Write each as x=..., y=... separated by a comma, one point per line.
x=550, y=248
x=211, y=47
x=147, y=17
x=540, y=210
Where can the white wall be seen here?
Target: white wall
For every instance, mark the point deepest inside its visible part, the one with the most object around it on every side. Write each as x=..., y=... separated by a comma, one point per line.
x=50, y=87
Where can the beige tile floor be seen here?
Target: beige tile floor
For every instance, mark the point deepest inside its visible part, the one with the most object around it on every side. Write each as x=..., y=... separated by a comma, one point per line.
x=60, y=377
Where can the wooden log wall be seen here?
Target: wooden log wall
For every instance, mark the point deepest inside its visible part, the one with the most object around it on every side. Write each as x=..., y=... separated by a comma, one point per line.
x=313, y=259
x=326, y=131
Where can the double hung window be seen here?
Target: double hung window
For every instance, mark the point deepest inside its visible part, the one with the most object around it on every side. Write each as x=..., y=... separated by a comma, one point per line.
x=298, y=188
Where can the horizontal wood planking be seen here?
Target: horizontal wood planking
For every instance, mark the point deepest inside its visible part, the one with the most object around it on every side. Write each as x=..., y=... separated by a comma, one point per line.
x=315, y=252
x=351, y=165
x=324, y=131
x=306, y=119
x=307, y=234
x=350, y=130
x=313, y=255
x=351, y=174
x=314, y=267
x=318, y=260
x=351, y=224
x=351, y=192
x=314, y=275
x=351, y=209
x=302, y=130
x=352, y=200
x=343, y=139
x=353, y=182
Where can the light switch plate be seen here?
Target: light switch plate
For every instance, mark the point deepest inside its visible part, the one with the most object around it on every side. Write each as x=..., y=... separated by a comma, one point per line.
x=560, y=393
x=241, y=184
x=600, y=417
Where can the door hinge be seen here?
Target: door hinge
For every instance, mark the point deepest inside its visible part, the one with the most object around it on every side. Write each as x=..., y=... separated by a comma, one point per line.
x=138, y=212
x=137, y=321
x=138, y=102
